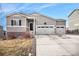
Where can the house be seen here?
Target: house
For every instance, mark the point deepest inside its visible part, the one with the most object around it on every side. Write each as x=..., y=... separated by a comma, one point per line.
x=73, y=20
x=35, y=23
x=1, y=33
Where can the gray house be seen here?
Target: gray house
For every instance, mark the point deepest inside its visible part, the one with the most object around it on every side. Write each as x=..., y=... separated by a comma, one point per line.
x=35, y=23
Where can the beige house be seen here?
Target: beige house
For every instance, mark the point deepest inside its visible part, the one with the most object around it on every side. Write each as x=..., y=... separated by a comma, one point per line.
x=73, y=20
x=35, y=23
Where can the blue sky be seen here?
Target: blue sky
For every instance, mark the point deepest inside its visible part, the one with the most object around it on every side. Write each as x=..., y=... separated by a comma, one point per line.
x=54, y=10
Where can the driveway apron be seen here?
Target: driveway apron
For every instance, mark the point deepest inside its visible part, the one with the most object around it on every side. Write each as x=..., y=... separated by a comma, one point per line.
x=46, y=45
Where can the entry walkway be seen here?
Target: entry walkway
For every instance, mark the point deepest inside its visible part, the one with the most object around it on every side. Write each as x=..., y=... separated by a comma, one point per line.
x=53, y=45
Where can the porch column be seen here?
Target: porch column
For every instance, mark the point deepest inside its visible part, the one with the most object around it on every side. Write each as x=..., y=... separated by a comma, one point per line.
x=34, y=26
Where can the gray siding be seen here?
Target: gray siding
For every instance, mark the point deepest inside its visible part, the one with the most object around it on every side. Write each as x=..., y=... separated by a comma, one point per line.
x=40, y=20
x=16, y=28
x=73, y=20
x=17, y=18
x=60, y=23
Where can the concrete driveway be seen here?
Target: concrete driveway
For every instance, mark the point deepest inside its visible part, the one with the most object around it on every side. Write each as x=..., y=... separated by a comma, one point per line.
x=53, y=45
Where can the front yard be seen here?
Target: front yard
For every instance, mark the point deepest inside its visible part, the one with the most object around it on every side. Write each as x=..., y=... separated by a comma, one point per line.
x=16, y=47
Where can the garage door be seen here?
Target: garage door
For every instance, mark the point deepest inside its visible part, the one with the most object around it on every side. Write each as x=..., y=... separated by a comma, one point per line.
x=60, y=30
x=45, y=29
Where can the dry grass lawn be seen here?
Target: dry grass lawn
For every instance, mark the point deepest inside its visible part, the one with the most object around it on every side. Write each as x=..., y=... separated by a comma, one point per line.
x=15, y=47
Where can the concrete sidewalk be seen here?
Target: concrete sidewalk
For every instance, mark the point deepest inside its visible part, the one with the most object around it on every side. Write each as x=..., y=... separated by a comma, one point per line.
x=53, y=45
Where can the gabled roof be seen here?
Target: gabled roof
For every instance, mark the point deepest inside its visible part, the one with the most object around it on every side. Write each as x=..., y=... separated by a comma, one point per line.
x=17, y=13
x=49, y=17
x=60, y=20
x=73, y=12
x=32, y=14
x=44, y=16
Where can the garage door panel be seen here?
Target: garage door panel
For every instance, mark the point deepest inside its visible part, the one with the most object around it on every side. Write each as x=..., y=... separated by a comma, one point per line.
x=45, y=29
x=60, y=30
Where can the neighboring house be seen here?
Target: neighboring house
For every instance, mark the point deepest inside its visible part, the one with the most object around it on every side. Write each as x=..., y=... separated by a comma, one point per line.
x=35, y=23
x=73, y=20
x=1, y=33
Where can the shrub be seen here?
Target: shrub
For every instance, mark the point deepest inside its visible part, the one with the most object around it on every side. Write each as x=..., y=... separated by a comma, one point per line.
x=24, y=35
x=12, y=36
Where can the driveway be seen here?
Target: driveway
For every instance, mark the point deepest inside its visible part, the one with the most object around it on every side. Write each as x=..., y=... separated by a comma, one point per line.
x=53, y=45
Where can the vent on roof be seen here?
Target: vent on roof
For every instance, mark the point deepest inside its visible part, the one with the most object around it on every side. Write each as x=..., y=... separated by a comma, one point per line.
x=45, y=23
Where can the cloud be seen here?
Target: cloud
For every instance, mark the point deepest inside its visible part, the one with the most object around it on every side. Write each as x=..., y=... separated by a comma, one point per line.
x=9, y=8
x=38, y=7
x=20, y=8
x=45, y=6
x=5, y=8
x=30, y=7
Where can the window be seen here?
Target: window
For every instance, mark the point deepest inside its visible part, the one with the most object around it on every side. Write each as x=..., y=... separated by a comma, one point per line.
x=38, y=27
x=16, y=23
x=45, y=23
x=58, y=27
x=62, y=27
x=42, y=27
x=19, y=22
x=13, y=22
x=51, y=26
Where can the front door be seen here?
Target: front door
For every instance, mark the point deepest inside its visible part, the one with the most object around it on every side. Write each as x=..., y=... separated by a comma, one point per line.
x=31, y=26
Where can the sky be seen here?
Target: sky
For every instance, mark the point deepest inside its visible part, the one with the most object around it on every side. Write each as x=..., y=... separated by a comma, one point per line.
x=53, y=10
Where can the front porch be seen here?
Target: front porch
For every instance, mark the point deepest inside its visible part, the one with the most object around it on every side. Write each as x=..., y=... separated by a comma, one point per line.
x=31, y=25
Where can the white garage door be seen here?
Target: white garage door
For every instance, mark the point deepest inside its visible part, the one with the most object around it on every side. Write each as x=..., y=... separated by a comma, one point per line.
x=45, y=29
x=60, y=30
